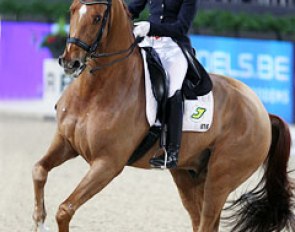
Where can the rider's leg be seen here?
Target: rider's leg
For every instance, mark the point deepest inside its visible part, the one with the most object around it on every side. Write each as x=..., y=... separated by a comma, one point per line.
x=176, y=66
x=174, y=132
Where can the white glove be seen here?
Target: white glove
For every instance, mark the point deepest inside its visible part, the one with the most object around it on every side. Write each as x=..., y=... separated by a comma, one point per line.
x=141, y=29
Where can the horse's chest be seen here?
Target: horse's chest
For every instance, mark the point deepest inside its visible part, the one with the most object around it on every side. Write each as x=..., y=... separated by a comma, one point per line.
x=74, y=130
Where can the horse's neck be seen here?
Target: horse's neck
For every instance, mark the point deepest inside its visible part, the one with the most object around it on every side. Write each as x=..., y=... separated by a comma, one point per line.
x=119, y=36
x=117, y=77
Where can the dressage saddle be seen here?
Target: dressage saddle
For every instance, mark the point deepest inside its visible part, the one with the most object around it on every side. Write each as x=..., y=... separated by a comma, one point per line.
x=196, y=83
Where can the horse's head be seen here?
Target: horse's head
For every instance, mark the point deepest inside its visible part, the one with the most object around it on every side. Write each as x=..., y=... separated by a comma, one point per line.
x=88, y=28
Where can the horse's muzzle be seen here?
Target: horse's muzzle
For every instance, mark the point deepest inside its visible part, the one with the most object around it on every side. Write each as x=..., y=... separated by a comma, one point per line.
x=71, y=67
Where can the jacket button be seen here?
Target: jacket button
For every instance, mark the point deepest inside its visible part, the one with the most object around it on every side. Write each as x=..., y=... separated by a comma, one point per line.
x=161, y=17
x=163, y=5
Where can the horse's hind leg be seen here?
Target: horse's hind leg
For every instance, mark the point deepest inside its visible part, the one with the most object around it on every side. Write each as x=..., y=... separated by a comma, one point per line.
x=228, y=167
x=101, y=172
x=59, y=152
x=191, y=190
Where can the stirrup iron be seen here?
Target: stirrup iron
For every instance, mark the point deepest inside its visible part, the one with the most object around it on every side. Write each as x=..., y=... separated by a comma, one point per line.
x=159, y=153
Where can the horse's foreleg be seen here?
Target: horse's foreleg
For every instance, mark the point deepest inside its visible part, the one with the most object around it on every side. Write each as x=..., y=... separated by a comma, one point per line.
x=59, y=152
x=191, y=192
x=100, y=174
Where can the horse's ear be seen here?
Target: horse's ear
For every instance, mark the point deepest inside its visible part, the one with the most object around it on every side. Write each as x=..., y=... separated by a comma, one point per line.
x=127, y=10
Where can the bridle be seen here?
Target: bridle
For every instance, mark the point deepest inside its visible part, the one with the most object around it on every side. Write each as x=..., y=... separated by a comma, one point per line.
x=91, y=49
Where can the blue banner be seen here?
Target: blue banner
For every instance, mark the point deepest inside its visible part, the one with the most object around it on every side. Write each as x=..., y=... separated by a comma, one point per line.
x=266, y=66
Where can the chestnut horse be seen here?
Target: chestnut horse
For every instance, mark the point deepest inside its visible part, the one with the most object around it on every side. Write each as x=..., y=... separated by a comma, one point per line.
x=101, y=116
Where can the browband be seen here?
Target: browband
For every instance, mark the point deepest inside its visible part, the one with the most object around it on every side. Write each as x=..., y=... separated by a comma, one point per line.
x=92, y=2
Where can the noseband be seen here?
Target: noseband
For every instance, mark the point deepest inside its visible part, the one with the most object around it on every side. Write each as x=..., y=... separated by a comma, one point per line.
x=92, y=48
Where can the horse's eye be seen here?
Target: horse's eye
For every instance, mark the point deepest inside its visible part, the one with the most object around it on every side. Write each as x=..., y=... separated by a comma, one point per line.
x=97, y=19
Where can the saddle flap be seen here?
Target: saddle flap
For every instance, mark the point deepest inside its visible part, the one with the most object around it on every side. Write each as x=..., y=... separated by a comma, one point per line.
x=158, y=75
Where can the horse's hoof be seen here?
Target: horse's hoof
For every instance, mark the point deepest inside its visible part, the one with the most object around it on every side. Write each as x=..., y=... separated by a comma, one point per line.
x=42, y=228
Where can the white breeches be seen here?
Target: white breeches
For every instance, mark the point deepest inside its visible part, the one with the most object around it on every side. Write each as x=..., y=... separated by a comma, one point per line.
x=172, y=58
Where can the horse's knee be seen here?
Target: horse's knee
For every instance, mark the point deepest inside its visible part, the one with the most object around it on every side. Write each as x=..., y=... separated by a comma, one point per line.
x=39, y=174
x=64, y=213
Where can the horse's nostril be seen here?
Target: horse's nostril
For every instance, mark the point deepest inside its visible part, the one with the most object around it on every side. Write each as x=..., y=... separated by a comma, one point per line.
x=60, y=60
x=76, y=64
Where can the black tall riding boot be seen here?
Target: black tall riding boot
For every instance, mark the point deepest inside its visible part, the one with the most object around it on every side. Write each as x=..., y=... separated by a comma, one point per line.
x=174, y=132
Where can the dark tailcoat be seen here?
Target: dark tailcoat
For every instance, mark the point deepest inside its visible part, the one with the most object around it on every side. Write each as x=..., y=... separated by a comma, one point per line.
x=169, y=18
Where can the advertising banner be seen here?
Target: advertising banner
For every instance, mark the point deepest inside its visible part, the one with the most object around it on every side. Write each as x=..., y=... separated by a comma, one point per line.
x=265, y=66
x=21, y=60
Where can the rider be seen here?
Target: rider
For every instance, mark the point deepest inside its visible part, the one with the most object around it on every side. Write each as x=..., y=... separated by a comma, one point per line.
x=167, y=28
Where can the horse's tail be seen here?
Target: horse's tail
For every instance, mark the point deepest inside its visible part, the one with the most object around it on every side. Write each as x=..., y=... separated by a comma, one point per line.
x=269, y=206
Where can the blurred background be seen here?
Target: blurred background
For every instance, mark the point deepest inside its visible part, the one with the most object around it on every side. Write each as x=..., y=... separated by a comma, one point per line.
x=250, y=40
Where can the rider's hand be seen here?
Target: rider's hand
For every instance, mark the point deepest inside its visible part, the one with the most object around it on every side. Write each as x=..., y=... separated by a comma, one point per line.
x=141, y=29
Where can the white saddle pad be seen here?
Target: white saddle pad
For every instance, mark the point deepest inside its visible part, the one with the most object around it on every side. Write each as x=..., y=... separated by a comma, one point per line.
x=198, y=114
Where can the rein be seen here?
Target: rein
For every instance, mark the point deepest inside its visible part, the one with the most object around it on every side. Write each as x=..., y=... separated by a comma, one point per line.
x=91, y=49
x=129, y=51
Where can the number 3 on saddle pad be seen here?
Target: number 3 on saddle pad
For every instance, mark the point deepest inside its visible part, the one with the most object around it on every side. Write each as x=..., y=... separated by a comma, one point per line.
x=198, y=114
